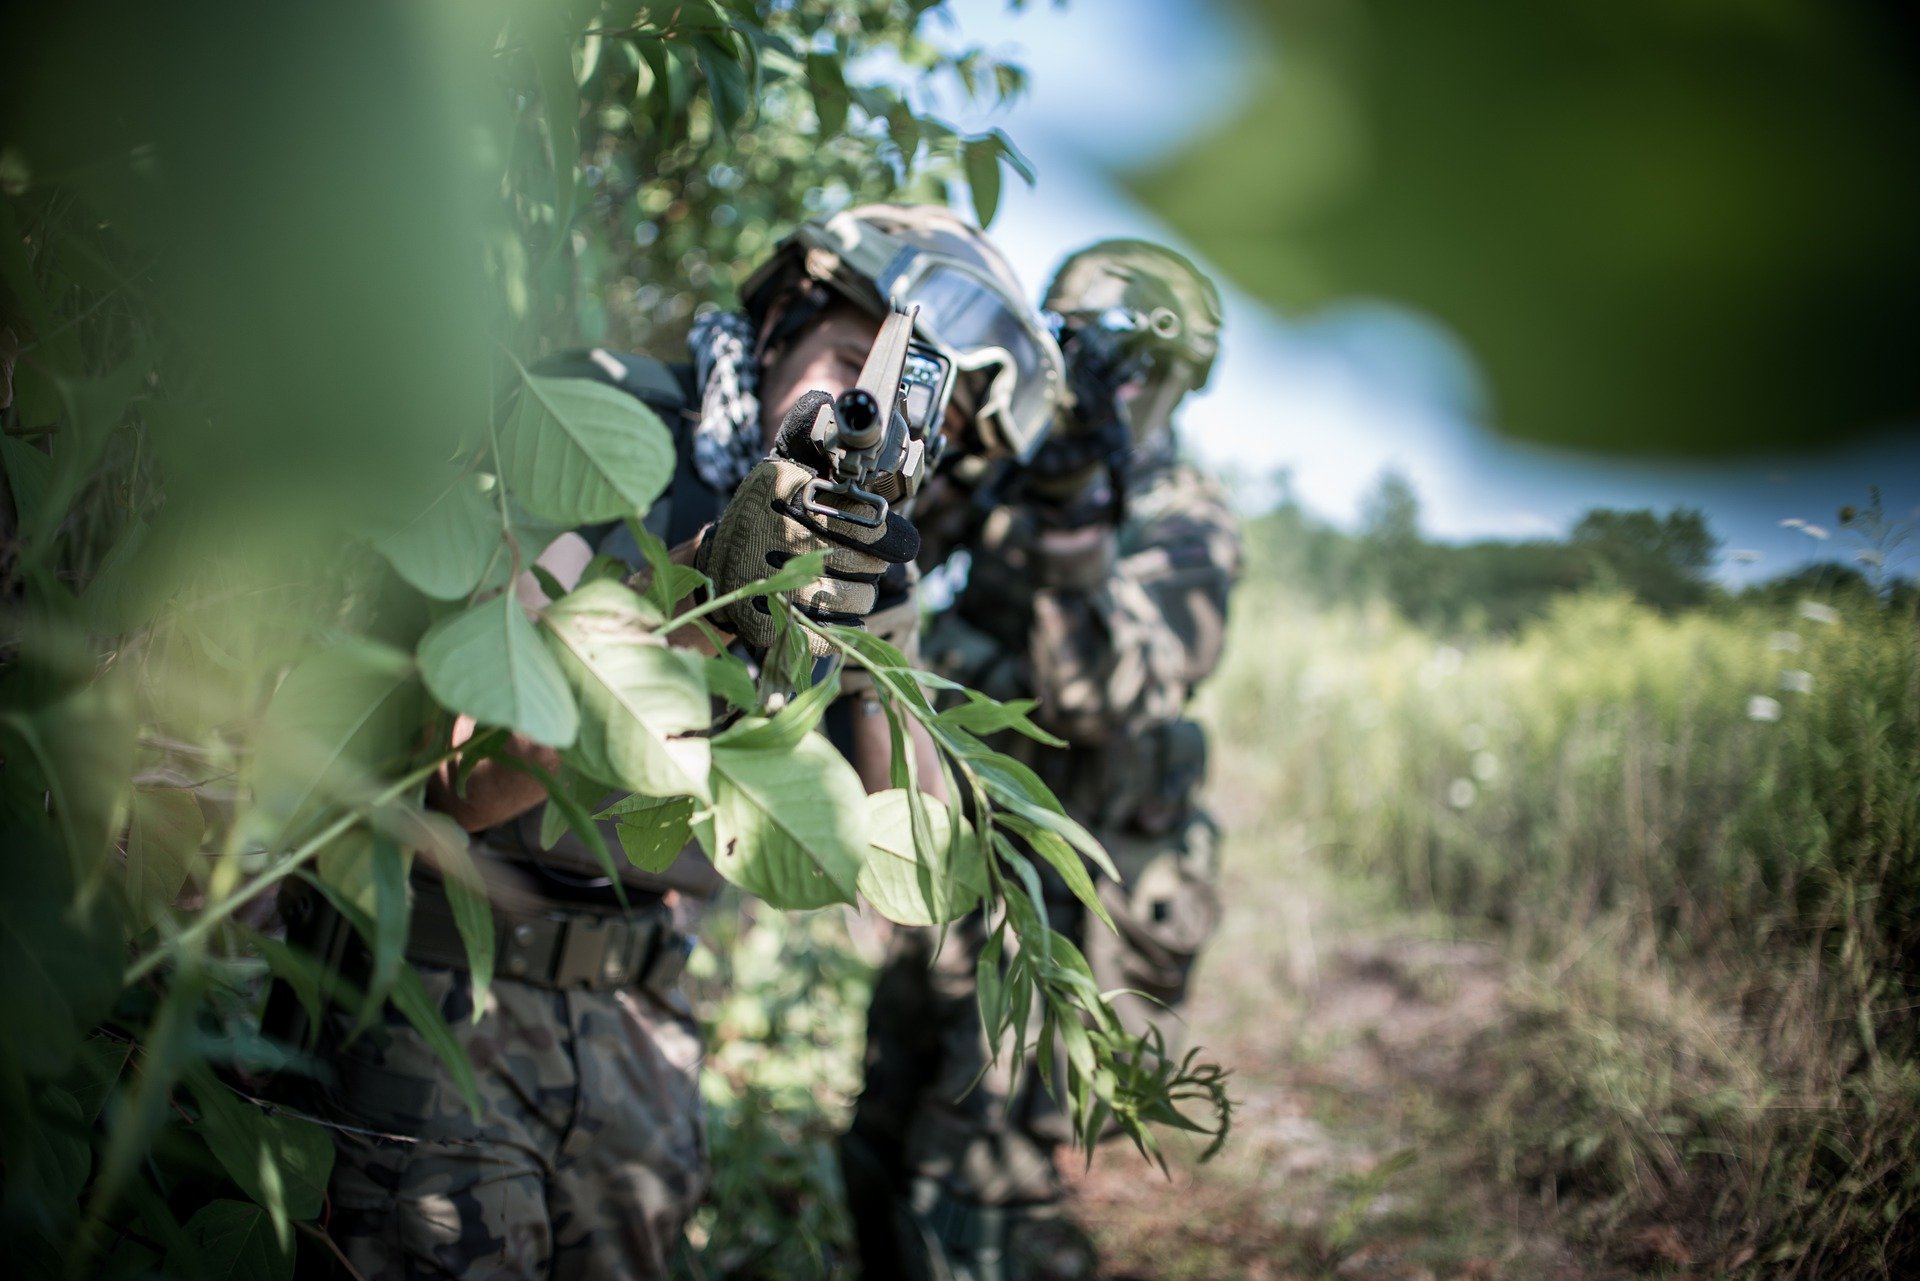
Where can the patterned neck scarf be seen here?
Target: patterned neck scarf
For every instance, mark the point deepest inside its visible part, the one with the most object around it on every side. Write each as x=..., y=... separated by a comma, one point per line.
x=726, y=441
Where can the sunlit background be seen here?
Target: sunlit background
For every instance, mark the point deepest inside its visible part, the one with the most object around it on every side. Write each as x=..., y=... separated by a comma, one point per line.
x=1334, y=397
x=1574, y=903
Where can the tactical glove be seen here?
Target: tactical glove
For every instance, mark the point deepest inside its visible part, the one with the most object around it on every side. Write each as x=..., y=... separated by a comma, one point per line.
x=767, y=524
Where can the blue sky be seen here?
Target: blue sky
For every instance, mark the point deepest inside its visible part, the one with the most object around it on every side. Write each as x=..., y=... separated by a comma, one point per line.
x=1338, y=396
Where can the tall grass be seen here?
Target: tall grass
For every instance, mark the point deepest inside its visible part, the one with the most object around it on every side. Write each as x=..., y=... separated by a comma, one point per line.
x=1702, y=835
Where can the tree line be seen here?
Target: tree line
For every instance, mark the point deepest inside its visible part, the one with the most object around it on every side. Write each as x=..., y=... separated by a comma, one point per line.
x=1666, y=560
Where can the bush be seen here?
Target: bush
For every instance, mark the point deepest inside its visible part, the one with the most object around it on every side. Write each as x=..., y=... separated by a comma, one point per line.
x=1706, y=827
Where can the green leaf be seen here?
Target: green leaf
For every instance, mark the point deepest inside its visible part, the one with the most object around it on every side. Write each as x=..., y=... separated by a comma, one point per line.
x=671, y=583
x=58, y=1156
x=346, y=865
x=554, y=822
x=103, y=1061
x=82, y=748
x=829, y=88
x=163, y=841
x=904, y=129
x=390, y=916
x=488, y=662
x=888, y=666
x=16, y=269
x=1016, y=161
x=531, y=535
x=667, y=97
x=653, y=830
x=410, y=998
x=124, y=591
x=728, y=677
x=796, y=573
x=308, y=978
x=1019, y=791
x=552, y=45
x=729, y=87
x=789, y=826
x=915, y=883
x=230, y=1241
x=697, y=15
x=560, y=794
x=473, y=916
x=576, y=450
x=991, y=985
x=282, y=1162
x=334, y=724
x=784, y=731
x=61, y=954
x=640, y=701
x=981, y=158
x=446, y=550
x=983, y=715
x=1050, y=846
x=29, y=472
x=446, y=849
x=93, y=408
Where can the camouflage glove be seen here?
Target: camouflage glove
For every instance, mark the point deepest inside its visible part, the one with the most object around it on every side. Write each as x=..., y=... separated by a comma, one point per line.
x=766, y=525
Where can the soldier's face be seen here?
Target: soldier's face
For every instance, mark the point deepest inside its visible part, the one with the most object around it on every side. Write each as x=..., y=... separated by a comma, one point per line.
x=827, y=357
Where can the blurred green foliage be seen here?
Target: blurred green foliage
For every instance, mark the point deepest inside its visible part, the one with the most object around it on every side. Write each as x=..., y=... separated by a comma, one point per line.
x=1666, y=561
x=784, y=1000
x=272, y=286
x=1700, y=828
x=1488, y=584
x=1658, y=227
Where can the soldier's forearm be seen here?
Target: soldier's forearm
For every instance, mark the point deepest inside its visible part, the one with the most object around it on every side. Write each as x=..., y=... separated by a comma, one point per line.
x=495, y=791
x=872, y=754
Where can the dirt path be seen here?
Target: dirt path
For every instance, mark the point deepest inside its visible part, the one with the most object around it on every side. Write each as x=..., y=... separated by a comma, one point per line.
x=1349, y=1029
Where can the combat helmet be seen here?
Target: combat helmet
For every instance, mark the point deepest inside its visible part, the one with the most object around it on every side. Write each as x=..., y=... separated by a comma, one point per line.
x=972, y=309
x=1147, y=317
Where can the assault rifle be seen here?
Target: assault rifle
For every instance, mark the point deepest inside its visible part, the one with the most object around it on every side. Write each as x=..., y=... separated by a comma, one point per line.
x=882, y=436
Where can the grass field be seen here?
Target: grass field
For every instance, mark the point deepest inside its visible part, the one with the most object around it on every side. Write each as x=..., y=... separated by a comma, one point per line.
x=1587, y=951
x=1696, y=839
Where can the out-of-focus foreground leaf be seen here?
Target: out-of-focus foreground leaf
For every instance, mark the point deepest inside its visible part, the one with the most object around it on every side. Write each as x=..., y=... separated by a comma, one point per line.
x=1658, y=227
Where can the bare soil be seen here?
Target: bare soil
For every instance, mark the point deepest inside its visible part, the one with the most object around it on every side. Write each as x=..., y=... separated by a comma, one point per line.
x=1349, y=1028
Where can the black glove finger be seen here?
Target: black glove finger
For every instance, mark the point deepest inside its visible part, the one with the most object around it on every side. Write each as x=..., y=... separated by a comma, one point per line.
x=796, y=432
x=895, y=585
x=818, y=613
x=901, y=542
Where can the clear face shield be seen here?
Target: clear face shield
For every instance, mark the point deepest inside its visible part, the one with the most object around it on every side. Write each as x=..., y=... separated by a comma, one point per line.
x=966, y=319
x=965, y=316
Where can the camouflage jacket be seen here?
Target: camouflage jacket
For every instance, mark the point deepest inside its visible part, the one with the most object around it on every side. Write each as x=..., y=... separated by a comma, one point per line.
x=1111, y=658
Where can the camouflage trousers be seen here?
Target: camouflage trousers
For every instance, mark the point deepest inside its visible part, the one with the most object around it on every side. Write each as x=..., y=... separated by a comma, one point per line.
x=920, y=1132
x=587, y=1159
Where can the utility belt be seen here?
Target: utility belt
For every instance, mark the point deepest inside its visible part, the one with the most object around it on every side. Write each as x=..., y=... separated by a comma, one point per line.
x=571, y=946
x=547, y=945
